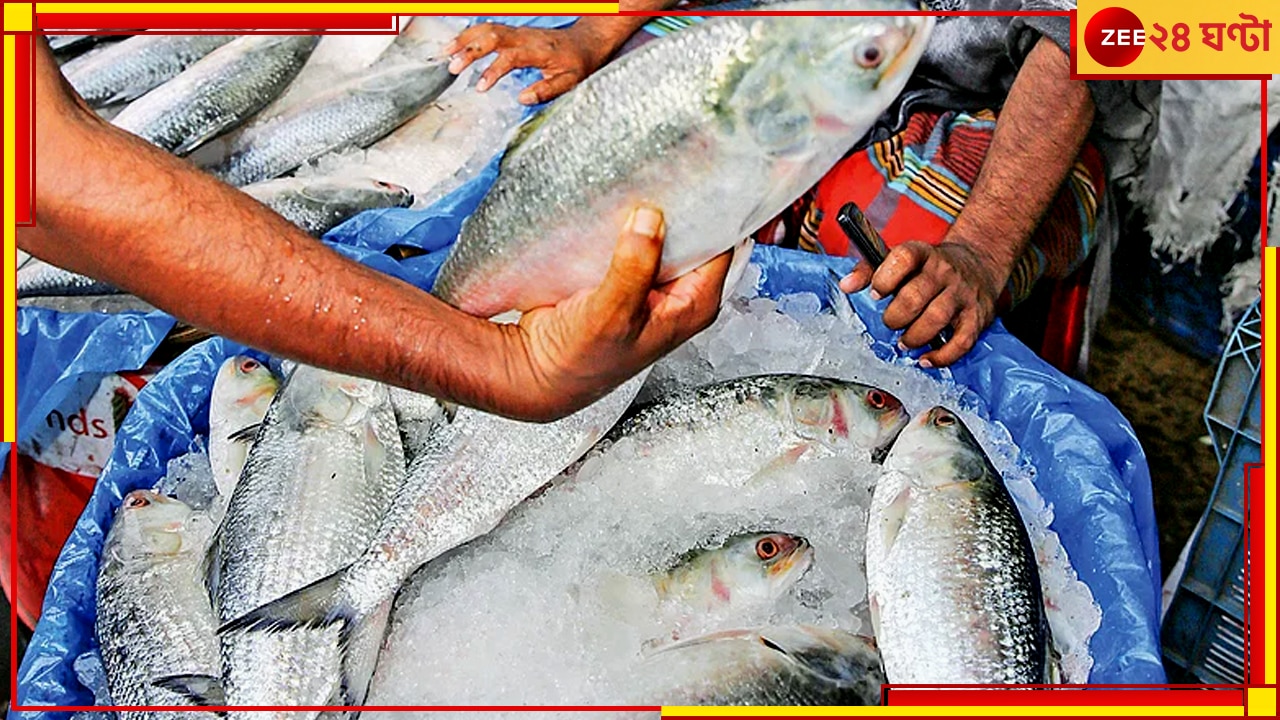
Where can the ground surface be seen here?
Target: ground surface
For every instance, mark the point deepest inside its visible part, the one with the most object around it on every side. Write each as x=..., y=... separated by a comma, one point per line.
x=1162, y=391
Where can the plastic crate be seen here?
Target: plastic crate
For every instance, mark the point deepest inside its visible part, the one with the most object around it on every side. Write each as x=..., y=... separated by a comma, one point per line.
x=1203, y=633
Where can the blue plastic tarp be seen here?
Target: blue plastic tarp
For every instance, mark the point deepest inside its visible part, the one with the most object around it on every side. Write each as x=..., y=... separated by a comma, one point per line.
x=1089, y=464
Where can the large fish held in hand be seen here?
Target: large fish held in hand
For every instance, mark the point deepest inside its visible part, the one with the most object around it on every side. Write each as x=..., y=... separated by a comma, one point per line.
x=154, y=617
x=721, y=125
x=951, y=575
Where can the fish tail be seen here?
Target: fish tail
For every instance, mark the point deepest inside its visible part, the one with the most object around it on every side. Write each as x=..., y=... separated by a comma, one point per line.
x=319, y=604
x=841, y=306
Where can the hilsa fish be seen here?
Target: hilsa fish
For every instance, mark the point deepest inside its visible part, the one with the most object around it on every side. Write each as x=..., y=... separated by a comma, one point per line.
x=952, y=583
x=721, y=125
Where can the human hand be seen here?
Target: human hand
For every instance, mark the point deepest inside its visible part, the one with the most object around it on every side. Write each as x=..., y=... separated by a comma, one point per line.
x=935, y=286
x=565, y=56
x=595, y=340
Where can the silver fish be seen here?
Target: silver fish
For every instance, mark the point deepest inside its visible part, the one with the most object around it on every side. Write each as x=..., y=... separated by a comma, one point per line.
x=951, y=576
x=721, y=125
x=355, y=114
x=320, y=204
x=128, y=69
x=37, y=278
x=242, y=391
x=320, y=475
x=785, y=665
x=154, y=617
x=470, y=471
x=767, y=419
x=744, y=570
x=218, y=92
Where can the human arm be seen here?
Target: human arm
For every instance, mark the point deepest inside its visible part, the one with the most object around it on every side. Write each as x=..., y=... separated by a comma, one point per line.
x=566, y=56
x=1038, y=135
x=114, y=207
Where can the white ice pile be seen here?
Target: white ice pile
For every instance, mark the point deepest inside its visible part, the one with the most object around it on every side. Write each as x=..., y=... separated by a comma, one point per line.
x=554, y=606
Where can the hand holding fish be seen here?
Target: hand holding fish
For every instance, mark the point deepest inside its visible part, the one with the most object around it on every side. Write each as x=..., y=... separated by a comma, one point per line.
x=596, y=339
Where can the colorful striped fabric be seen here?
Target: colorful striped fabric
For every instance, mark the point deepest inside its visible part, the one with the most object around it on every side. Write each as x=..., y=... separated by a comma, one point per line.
x=914, y=184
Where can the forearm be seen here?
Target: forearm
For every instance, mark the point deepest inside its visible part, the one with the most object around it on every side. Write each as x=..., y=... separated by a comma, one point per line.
x=1040, y=131
x=152, y=224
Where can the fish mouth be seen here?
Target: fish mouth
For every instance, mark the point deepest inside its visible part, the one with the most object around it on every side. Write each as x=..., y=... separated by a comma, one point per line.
x=799, y=558
x=881, y=451
x=908, y=35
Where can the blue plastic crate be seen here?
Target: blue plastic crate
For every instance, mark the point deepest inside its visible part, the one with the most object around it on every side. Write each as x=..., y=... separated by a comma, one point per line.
x=1203, y=633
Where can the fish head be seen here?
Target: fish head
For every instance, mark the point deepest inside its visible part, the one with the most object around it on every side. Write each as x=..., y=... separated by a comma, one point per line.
x=244, y=384
x=846, y=415
x=856, y=66
x=937, y=450
x=357, y=193
x=770, y=563
x=150, y=525
x=332, y=399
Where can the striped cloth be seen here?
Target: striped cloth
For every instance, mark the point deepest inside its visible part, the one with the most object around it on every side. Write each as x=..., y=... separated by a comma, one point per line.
x=914, y=184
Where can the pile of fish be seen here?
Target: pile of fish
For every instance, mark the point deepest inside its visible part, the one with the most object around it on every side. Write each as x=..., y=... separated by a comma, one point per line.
x=705, y=547
x=334, y=492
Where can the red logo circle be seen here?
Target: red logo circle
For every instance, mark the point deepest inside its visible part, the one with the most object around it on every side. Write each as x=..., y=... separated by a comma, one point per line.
x=1114, y=37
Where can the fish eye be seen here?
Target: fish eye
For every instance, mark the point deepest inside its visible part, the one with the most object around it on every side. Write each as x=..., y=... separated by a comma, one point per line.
x=944, y=420
x=384, y=185
x=868, y=55
x=766, y=549
x=876, y=399
x=136, y=501
x=248, y=365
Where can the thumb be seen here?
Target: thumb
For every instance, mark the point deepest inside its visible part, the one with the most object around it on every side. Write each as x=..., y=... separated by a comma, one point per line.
x=636, y=259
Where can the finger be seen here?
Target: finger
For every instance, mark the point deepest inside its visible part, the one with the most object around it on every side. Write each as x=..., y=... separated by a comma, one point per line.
x=937, y=316
x=506, y=61
x=857, y=280
x=967, y=330
x=636, y=259
x=473, y=44
x=685, y=306
x=901, y=263
x=911, y=300
x=550, y=88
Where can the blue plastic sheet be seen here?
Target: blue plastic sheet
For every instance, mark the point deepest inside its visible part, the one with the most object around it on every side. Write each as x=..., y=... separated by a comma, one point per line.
x=1089, y=463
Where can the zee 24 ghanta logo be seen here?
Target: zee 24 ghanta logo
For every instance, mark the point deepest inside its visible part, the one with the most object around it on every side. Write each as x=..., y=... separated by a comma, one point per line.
x=1115, y=36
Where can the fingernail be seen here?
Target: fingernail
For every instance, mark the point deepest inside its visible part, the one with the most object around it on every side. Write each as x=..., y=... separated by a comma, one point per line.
x=483, y=85
x=876, y=295
x=925, y=363
x=646, y=221
x=455, y=65
x=528, y=97
x=902, y=347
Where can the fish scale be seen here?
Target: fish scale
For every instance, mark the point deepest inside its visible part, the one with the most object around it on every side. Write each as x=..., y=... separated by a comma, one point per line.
x=217, y=92
x=951, y=575
x=717, y=125
x=354, y=115
x=134, y=66
x=318, y=478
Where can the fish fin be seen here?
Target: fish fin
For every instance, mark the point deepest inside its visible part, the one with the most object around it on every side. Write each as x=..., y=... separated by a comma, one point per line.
x=128, y=94
x=196, y=141
x=315, y=605
x=199, y=689
x=245, y=434
x=840, y=303
x=737, y=268
x=892, y=516
x=789, y=457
